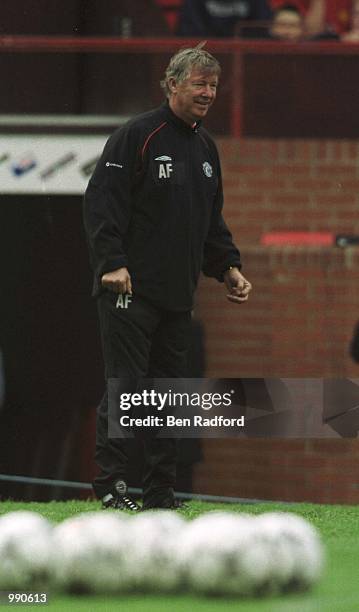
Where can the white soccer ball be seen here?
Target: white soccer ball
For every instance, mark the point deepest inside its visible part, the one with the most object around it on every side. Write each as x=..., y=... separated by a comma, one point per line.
x=90, y=553
x=220, y=555
x=297, y=551
x=269, y=536
x=152, y=556
x=25, y=549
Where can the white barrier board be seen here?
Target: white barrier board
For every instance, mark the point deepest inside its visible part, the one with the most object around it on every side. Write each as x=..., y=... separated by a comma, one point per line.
x=48, y=164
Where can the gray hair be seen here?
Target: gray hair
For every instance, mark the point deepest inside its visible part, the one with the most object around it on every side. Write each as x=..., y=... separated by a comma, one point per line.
x=181, y=64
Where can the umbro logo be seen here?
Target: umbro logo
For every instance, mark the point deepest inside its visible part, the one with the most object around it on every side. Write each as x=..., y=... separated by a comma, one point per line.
x=163, y=158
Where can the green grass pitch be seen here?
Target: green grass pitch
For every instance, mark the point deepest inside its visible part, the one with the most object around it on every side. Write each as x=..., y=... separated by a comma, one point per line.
x=338, y=591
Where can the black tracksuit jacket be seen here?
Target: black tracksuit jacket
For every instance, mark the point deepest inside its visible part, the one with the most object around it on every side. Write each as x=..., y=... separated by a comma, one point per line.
x=154, y=205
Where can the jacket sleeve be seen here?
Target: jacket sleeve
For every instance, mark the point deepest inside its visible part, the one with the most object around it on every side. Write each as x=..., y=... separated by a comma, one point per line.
x=107, y=203
x=220, y=253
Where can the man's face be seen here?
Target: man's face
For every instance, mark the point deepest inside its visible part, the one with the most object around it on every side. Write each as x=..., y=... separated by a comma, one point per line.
x=190, y=99
x=287, y=25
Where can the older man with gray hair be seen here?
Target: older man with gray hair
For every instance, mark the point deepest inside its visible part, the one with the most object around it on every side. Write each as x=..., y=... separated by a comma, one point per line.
x=153, y=218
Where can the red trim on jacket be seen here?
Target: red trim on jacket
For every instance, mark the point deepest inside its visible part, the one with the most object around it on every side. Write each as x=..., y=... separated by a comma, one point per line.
x=150, y=136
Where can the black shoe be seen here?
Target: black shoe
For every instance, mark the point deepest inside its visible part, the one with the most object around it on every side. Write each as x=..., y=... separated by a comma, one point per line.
x=119, y=500
x=171, y=504
x=177, y=504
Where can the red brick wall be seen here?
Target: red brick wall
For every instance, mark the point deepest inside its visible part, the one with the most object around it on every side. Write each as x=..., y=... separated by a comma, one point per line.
x=324, y=471
x=293, y=184
x=301, y=314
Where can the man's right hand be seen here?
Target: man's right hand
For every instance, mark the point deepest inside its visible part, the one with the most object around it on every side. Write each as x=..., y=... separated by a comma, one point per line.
x=118, y=281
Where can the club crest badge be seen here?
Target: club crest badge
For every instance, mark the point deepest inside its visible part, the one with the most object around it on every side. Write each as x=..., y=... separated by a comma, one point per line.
x=207, y=169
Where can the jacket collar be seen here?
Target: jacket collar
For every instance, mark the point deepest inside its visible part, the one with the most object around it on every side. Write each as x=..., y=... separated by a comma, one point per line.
x=171, y=116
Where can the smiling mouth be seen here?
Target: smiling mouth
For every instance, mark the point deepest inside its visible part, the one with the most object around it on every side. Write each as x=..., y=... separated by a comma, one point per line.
x=202, y=104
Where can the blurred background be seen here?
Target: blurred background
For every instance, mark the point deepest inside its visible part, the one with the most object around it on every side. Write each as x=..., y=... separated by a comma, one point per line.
x=286, y=124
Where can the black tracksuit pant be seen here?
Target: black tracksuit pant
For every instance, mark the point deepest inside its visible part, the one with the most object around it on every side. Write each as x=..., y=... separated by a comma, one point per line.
x=140, y=340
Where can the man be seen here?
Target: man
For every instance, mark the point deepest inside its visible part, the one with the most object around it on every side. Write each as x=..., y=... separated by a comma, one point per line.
x=287, y=24
x=153, y=220
x=325, y=19
x=221, y=18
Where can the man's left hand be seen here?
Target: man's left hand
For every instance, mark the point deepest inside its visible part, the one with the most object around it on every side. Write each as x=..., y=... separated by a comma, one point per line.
x=238, y=286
